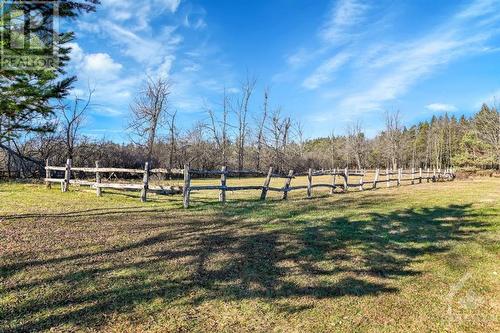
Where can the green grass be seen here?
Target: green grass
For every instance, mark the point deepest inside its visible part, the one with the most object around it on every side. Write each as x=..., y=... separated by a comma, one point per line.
x=415, y=258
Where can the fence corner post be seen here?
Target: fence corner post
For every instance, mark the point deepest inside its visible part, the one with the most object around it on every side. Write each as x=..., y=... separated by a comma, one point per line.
x=67, y=176
x=286, y=188
x=267, y=182
x=309, y=183
x=187, y=184
x=223, y=183
x=145, y=181
x=98, y=189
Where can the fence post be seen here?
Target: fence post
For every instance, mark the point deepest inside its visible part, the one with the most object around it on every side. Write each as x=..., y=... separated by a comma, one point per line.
x=267, y=182
x=67, y=176
x=309, y=183
x=334, y=181
x=288, y=181
x=186, y=189
x=413, y=176
x=388, y=177
x=346, y=180
x=223, y=182
x=377, y=175
x=98, y=190
x=361, y=180
x=47, y=174
x=420, y=175
x=145, y=180
x=400, y=171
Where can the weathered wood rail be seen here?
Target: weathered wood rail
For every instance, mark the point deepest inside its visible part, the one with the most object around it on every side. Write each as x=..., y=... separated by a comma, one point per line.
x=345, y=177
x=145, y=187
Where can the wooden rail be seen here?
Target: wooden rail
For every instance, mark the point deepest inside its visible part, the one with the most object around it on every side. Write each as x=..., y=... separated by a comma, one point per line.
x=346, y=176
x=145, y=188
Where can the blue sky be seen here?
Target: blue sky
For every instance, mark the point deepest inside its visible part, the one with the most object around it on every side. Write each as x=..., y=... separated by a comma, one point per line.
x=327, y=63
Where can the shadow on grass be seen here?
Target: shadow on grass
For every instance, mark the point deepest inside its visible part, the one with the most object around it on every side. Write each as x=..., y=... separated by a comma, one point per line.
x=252, y=250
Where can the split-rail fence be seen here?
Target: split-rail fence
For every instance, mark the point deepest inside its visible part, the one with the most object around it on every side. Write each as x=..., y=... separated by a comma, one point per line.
x=345, y=176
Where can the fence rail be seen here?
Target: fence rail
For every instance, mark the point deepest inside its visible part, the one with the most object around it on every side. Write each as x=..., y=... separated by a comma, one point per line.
x=344, y=175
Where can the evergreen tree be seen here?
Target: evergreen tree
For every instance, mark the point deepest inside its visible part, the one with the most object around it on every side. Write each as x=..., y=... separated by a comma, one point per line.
x=34, y=55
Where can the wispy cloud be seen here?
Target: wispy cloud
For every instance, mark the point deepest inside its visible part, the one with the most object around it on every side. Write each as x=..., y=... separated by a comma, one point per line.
x=133, y=32
x=394, y=69
x=338, y=29
x=138, y=14
x=323, y=73
x=441, y=107
x=345, y=15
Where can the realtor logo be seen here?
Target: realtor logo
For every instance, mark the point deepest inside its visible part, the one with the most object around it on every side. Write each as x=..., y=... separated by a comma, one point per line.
x=29, y=30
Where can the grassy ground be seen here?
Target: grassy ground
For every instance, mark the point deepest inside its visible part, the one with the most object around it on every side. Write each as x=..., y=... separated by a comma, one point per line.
x=416, y=258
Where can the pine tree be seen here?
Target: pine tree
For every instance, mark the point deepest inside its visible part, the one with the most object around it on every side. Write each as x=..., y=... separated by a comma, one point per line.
x=27, y=92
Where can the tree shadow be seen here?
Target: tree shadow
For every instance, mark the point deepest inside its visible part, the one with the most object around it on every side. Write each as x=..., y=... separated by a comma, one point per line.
x=275, y=255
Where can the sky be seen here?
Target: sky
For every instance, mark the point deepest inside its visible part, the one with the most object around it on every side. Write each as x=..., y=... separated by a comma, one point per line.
x=327, y=64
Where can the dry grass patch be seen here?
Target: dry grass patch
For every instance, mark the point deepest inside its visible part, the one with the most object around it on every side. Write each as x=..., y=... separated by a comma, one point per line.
x=415, y=258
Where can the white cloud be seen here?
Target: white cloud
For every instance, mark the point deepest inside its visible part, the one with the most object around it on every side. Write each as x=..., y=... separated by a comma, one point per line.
x=441, y=107
x=324, y=72
x=171, y=5
x=153, y=49
x=342, y=17
x=100, y=72
x=390, y=73
x=479, y=8
x=138, y=14
x=76, y=53
x=100, y=65
x=148, y=51
x=166, y=66
x=93, y=65
x=196, y=23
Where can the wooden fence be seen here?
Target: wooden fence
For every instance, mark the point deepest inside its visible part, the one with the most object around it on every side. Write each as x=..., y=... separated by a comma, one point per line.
x=98, y=184
x=388, y=177
x=345, y=176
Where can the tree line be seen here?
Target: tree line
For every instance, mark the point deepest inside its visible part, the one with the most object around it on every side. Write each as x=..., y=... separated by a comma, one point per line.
x=39, y=120
x=242, y=139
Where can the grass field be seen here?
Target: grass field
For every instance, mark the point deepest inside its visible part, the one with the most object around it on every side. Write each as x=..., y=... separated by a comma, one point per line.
x=415, y=258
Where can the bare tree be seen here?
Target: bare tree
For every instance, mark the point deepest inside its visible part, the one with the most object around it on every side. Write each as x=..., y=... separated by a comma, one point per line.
x=393, y=137
x=149, y=111
x=279, y=131
x=299, y=129
x=219, y=128
x=356, y=143
x=260, y=129
x=242, y=115
x=172, y=130
x=332, y=149
x=73, y=115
